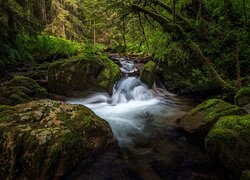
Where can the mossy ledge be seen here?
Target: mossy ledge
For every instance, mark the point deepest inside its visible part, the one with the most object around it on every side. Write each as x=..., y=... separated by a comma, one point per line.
x=44, y=139
x=82, y=73
x=21, y=89
x=202, y=118
x=229, y=143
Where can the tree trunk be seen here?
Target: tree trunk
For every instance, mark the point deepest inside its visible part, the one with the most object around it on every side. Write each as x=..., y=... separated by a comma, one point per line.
x=199, y=11
x=227, y=8
x=94, y=34
x=124, y=32
x=238, y=65
x=174, y=11
x=245, y=12
x=177, y=31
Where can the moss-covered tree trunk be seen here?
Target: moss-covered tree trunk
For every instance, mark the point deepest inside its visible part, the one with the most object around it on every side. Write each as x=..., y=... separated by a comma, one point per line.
x=179, y=34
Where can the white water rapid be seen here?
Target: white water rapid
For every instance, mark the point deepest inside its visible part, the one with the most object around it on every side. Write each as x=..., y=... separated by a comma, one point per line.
x=131, y=107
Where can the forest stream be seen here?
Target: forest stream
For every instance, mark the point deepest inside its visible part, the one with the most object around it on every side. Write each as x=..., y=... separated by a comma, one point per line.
x=150, y=147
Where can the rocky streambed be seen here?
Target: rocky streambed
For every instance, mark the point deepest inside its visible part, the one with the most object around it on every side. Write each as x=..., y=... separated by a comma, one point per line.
x=130, y=130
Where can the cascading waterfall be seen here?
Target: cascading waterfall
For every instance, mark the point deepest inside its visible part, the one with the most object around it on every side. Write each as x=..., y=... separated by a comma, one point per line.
x=141, y=120
x=131, y=106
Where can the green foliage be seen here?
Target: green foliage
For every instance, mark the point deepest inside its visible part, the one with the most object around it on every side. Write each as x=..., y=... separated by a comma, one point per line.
x=91, y=48
x=48, y=48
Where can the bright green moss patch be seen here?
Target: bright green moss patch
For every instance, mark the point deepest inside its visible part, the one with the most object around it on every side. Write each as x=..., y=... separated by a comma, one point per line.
x=150, y=66
x=216, y=108
x=202, y=118
x=229, y=142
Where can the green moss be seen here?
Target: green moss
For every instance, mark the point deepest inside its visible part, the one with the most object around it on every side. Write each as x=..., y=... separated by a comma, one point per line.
x=19, y=90
x=242, y=98
x=229, y=142
x=46, y=135
x=6, y=113
x=202, y=118
x=216, y=108
x=148, y=73
x=245, y=175
x=243, y=92
x=150, y=66
x=94, y=71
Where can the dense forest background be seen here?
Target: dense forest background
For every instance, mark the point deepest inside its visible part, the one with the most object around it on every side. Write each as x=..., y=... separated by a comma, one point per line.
x=210, y=36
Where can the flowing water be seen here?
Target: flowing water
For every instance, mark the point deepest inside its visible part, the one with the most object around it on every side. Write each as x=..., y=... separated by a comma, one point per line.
x=142, y=122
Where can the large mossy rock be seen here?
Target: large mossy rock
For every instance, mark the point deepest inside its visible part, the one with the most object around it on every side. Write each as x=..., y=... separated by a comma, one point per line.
x=242, y=98
x=202, y=118
x=148, y=73
x=229, y=142
x=20, y=90
x=44, y=139
x=182, y=72
x=83, y=73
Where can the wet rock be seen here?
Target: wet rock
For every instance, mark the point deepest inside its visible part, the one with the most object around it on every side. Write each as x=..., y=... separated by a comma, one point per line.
x=83, y=73
x=201, y=119
x=148, y=73
x=229, y=143
x=19, y=90
x=44, y=139
x=242, y=98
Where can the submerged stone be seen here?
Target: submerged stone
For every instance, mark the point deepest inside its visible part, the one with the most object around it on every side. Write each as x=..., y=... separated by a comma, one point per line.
x=20, y=90
x=229, y=143
x=44, y=139
x=83, y=73
x=201, y=119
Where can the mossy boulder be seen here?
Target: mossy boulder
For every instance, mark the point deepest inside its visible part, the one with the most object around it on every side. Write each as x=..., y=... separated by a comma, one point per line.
x=148, y=73
x=44, y=139
x=229, y=143
x=20, y=90
x=245, y=175
x=83, y=73
x=202, y=118
x=242, y=98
